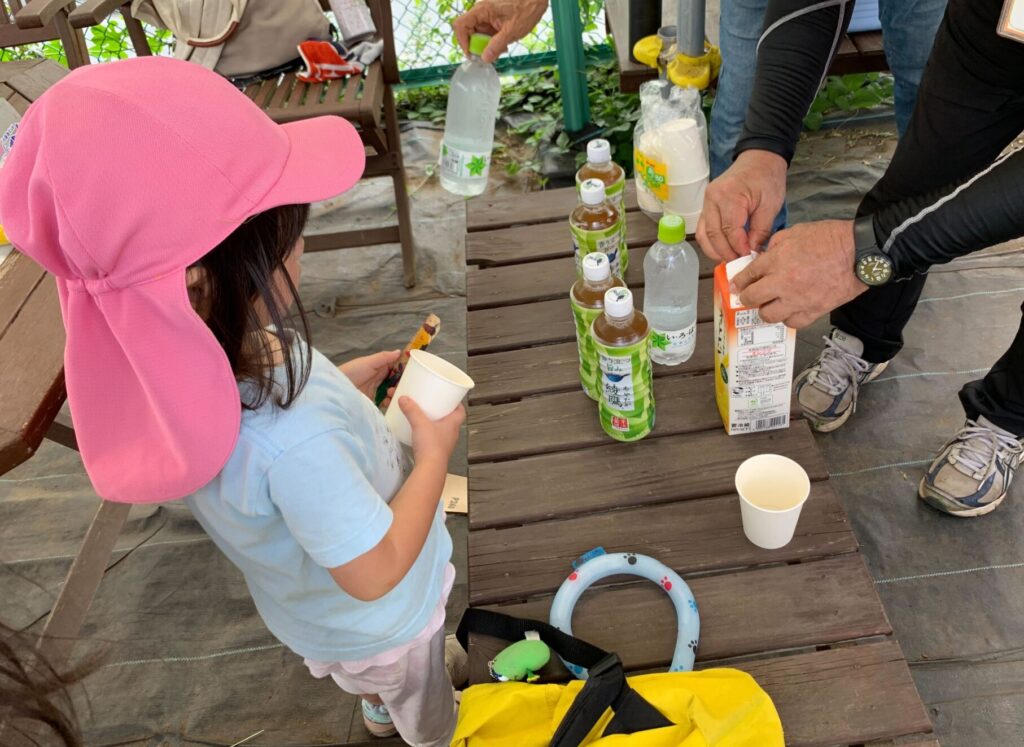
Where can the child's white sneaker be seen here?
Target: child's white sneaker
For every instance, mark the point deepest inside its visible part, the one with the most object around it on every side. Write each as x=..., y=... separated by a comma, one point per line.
x=377, y=719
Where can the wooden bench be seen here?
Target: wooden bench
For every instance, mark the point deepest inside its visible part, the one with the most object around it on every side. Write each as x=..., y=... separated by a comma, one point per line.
x=547, y=485
x=858, y=53
x=366, y=101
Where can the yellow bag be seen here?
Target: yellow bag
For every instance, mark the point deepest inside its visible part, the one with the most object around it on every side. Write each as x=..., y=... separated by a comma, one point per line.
x=713, y=708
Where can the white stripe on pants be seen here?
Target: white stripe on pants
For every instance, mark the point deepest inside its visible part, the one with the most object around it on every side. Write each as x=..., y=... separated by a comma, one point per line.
x=416, y=690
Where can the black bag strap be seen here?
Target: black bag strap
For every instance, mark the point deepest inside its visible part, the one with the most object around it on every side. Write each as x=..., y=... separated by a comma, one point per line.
x=606, y=686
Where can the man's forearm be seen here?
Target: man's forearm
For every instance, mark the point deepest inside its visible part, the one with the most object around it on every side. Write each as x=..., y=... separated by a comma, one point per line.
x=800, y=39
x=945, y=224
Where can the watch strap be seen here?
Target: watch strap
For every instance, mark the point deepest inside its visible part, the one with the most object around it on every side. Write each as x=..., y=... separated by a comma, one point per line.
x=865, y=242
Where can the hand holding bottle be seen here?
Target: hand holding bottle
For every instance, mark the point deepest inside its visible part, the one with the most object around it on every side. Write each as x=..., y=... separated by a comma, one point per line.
x=507, y=21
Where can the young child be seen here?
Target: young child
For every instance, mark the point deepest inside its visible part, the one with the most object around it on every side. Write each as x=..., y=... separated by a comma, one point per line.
x=171, y=210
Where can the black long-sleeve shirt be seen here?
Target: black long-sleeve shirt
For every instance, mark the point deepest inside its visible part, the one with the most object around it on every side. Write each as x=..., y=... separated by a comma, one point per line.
x=945, y=193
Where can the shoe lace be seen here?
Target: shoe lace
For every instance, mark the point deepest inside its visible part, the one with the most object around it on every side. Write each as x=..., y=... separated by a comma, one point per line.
x=977, y=447
x=837, y=369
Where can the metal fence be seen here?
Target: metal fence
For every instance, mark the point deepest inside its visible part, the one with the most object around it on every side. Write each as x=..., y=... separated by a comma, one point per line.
x=426, y=46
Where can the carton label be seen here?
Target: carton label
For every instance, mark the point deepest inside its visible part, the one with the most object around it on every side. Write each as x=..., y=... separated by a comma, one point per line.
x=653, y=173
x=626, y=406
x=753, y=365
x=590, y=377
x=464, y=164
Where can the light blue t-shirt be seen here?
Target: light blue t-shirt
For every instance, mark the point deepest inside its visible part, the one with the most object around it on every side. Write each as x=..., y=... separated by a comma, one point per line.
x=307, y=489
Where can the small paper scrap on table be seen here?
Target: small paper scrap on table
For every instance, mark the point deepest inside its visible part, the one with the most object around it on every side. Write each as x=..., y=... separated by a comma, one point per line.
x=455, y=495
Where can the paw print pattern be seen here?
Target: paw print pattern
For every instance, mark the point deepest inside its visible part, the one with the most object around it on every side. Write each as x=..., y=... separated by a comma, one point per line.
x=666, y=584
x=693, y=646
x=631, y=558
x=693, y=604
x=574, y=576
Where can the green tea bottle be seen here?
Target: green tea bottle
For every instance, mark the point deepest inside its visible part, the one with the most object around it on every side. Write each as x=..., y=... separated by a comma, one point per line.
x=594, y=225
x=622, y=339
x=587, y=300
x=600, y=166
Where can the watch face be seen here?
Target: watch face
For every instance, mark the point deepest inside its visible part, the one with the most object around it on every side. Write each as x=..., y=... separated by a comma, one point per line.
x=875, y=269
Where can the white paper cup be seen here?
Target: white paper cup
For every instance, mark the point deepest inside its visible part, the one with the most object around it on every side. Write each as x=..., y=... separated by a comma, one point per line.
x=687, y=200
x=683, y=150
x=434, y=384
x=772, y=490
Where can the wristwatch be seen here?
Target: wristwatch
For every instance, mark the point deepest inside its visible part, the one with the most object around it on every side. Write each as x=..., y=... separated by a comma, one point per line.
x=872, y=265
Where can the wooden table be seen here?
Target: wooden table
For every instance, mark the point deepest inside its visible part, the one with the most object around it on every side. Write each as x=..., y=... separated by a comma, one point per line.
x=32, y=388
x=546, y=485
x=858, y=53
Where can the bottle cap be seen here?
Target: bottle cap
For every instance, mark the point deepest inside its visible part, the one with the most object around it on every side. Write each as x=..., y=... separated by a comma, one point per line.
x=671, y=229
x=596, y=267
x=592, y=192
x=618, y=302
x=599, y=151
x=478, y=43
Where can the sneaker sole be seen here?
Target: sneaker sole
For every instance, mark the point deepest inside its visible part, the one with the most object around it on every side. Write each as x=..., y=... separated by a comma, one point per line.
x=940, y=504
x=380, y=731
x=827, y=426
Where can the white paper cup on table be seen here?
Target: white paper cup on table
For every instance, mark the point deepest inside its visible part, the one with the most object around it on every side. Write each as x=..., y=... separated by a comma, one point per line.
x=682, y=147
x=687, y=201
x=432, y=383
x=773, y=490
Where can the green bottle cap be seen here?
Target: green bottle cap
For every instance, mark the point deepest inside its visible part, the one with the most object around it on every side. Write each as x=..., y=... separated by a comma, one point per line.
x=478, y=43
x=671, y=229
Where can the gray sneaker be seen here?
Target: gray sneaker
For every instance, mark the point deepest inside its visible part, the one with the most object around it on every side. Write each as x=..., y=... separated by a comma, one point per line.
x=973, y=472
x=827, y=389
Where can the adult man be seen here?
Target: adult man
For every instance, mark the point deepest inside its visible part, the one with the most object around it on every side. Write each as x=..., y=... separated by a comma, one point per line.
x=947, y=192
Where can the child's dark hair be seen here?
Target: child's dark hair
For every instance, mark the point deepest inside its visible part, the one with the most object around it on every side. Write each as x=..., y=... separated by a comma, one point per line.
x=239, y=274
x=34, y=699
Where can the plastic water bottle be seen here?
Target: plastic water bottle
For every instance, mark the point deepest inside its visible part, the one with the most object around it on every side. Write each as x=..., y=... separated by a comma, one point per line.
x=469, y=123
x=671, y=269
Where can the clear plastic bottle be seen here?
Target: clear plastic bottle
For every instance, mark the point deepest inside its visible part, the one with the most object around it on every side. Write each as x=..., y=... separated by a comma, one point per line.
x=594, y=226
x=469, y=123
x=622, y=339
x=586, y=297
x=671, y=270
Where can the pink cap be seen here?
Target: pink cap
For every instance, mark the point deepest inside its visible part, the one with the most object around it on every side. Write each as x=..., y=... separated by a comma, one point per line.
x=122, y=175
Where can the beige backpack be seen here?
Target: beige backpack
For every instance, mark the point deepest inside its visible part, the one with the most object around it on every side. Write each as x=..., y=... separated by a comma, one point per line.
x=236, y=37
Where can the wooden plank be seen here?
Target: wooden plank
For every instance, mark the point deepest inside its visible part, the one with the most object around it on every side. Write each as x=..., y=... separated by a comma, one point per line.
x=32, y=372
x=19, y=277
x=560, y=422
x=514, y=374
x=547, y=279
x=507, y=246
x=33, y=81
x=284, y=88
x=545, y=322
x=868, y=42
x=631, y=74
x=847, y=695
x=747, y=612
x=841, y=696
x=488, y=212
x=693, y=536
x=699, y=465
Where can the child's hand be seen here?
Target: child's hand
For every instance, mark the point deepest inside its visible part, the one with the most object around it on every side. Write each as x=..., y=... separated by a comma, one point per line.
x=369, y=371
x=432, y=439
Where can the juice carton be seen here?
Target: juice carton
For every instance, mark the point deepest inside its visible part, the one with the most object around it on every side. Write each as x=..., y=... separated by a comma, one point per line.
x=753, y=361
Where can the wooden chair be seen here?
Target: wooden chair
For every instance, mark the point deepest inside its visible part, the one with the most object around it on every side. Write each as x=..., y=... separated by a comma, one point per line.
x=43, y=21
x=367, y=102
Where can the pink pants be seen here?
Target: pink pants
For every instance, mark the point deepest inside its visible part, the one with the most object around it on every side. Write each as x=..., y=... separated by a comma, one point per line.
x=416, y=690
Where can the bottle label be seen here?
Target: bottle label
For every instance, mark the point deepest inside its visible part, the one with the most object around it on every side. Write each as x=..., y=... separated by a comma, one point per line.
x=607, y=240
x=627, y=390
x=464, y=164
x=589, y=369
x=673, y=342
x=654, y=174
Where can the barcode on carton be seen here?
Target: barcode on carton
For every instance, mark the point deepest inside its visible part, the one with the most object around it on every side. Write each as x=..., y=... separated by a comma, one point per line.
x=769, y=423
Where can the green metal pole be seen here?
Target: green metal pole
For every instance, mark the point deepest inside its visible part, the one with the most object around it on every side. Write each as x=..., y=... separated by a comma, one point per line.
x=572, y=69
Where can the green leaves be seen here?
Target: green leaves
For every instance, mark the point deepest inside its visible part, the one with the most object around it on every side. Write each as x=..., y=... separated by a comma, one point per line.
x=849, y=93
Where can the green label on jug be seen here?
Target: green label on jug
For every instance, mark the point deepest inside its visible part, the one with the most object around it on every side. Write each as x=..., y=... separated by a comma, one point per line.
x=606, y=240
x=627, y=390
x=590, y=373
x=464, y=164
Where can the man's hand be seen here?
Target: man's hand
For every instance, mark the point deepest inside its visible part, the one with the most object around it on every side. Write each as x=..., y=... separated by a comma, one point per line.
x=751, y=191
x=369, y=371
x=506, y=21
x=806, y=273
